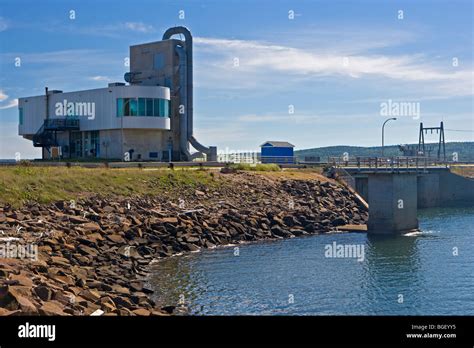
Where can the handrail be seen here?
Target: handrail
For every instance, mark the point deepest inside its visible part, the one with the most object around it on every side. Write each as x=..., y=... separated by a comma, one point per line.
x=61, y=123
x=383, y=163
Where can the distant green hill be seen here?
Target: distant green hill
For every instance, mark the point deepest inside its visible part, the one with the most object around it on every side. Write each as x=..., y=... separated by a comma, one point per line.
x=465, y=151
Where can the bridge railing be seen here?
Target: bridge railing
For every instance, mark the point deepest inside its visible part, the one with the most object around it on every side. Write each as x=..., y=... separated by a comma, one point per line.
x=385, y=163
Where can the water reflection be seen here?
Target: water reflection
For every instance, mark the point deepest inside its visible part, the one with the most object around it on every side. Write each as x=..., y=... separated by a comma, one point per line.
x=419, y=267
x=392, y=268
x=176, y=280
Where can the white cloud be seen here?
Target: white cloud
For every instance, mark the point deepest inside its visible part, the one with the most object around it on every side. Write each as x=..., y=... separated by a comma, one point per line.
x=305, y=118
x=3, y=96
x=246, y=64
x=100, y=78
x=74, y=56
x=8, y=103
x=3, y=24
x=11, y=104
x=69, y=69
x=140, y=27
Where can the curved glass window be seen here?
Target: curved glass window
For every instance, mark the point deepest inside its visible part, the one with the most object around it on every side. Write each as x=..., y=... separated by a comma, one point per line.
x=141, y=106
x=149, y=107
x=126, y=107
x=166, y=107
x=133, y=107
x=155, y=107
x=119, y=107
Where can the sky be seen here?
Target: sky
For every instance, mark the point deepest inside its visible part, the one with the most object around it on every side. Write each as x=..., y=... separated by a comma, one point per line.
x=314, y=73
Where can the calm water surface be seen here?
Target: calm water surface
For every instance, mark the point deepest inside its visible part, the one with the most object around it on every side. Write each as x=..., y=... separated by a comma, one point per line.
x=266, y=276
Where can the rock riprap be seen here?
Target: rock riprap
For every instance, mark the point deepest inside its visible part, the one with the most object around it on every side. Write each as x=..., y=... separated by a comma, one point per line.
x=93, y=253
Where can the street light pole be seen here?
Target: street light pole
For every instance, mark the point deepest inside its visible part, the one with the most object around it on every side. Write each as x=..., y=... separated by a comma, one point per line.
x=383, y=127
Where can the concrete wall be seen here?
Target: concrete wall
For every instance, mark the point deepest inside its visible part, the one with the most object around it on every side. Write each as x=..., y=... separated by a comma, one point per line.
x=444, y=189
x=156, y=62
x=428, y=190
x=438, y=188
x=392, y=203
x=362, y=187
x=145, y=141
x=455, y=189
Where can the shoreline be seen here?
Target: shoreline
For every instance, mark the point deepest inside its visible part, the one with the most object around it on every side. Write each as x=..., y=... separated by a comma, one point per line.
x=94, y=257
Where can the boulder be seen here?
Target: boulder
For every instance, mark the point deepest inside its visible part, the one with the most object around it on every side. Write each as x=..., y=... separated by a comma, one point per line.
x=52, y=308
x=43, y=292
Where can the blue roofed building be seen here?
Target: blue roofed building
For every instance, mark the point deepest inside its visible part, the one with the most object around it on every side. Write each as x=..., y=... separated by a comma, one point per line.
x=280, y=152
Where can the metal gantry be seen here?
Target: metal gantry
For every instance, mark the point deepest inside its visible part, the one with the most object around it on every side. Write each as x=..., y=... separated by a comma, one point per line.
x=441, y=141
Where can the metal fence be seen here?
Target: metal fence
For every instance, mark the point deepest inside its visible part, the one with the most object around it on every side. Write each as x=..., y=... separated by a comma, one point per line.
x=254, y=158
x=241, y=157
x=384, y=163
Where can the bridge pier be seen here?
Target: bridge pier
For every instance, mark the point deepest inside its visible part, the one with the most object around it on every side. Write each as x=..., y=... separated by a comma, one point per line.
x=392, y=202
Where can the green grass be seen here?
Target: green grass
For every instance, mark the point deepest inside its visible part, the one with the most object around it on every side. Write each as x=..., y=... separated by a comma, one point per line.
x=21, y=184
x=464, y=170
x=256, y=167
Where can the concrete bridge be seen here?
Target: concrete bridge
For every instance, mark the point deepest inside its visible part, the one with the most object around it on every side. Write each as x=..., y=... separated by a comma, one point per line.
x=394, y=192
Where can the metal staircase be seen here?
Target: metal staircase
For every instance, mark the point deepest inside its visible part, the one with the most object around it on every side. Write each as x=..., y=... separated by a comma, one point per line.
x=46, y=135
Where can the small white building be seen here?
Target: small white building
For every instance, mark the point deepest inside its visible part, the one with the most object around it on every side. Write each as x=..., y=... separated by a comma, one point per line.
x=100, y=123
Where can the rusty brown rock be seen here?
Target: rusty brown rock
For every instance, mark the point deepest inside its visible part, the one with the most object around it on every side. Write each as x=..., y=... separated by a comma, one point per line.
x=93, y=262
x=141, y=312
x=22, y=280
x=43, y=292
x=52, y=308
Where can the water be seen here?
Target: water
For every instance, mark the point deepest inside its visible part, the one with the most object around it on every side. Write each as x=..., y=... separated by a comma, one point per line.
x=419, y=269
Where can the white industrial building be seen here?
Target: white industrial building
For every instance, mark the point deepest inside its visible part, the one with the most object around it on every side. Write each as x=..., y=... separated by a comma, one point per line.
x=148, y=119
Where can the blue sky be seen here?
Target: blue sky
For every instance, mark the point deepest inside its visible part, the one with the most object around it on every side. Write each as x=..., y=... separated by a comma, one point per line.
x=334, y=63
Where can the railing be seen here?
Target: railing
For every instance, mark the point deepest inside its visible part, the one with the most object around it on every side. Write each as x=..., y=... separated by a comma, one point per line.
x=386, y=163
x=254, y=157
x=278, y=159
x=45, y=136
x=61, y=123
x=239, y=157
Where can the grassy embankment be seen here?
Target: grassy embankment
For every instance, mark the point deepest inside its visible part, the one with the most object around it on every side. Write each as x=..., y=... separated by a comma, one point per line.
x=23, y=183
x=48, y=184
x=464, y=170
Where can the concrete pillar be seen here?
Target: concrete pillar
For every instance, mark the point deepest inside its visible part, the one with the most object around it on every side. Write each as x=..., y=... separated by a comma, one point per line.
x=392, y=203
x=428, y=190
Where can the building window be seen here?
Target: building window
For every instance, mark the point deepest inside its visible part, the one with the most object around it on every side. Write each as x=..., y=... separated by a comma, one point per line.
x=119, y=107
x=20, y=115
x=95, y=144
x=149, y=107
x=166, y=108
x=126, y=107
x=75, y=144
x=133, y=107
x=162, y=108
x=156, y=109
x=141, y=107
